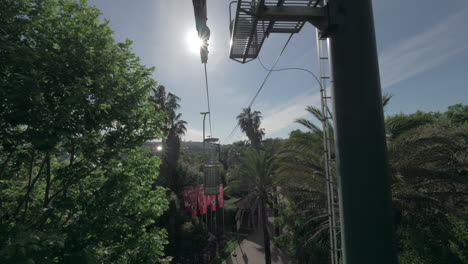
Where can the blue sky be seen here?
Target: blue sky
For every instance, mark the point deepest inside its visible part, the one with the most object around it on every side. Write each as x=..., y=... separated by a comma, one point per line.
x=422, y=45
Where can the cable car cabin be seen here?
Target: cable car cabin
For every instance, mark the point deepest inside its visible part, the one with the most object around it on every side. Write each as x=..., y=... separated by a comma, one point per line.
x=212, y=179
x=254, y=20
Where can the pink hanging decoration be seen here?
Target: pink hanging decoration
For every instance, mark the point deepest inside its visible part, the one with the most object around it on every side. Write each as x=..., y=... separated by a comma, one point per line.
x=205, y=205
x=201, y=200
x=193, y=202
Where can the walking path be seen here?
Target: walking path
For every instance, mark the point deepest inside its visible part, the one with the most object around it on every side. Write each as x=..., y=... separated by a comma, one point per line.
x=251, y=251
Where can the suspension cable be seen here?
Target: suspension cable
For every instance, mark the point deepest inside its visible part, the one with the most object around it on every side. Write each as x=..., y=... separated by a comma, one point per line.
x=234, y=130
x=270, y=71
x=291, y=68
x=299, y=69
x=208, y=101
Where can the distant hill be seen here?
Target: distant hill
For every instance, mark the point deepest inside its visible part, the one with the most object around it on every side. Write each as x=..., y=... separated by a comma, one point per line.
x=192, y=146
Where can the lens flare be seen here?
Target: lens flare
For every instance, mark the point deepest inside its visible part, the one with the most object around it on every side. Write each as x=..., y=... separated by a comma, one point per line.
x=193, y=42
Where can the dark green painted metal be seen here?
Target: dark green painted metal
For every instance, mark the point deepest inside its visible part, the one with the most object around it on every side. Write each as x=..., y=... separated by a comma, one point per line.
x=364, y=181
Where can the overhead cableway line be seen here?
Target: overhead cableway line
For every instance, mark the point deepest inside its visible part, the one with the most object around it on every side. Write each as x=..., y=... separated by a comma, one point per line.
x=234, y=130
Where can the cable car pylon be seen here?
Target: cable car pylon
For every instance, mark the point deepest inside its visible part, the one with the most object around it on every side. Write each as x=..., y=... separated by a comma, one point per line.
x=328, y=155
x=362, y=167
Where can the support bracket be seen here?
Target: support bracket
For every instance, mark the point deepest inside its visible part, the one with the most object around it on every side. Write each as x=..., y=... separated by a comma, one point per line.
x=256, y=19
x=322, y=18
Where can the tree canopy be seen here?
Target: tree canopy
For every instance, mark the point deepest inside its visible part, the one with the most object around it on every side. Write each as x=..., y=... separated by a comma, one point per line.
x=429, y=167
x=74, y=185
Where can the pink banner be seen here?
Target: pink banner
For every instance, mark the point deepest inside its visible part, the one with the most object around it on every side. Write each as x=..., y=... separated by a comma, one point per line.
x=205, y=206
x=213, y=202
x=193, y=202
x=221, y=196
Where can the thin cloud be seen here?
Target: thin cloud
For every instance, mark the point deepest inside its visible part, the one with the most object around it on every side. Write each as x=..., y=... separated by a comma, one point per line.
x=425, y=50
x=193, y=134
x=236, y=96
x=280, y=118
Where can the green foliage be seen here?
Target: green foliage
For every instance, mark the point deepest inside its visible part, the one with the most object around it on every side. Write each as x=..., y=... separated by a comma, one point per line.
x=193, y=238
x=256, y=176
x=224, y=254
x=302, y=239
x=430, y=237
x=428, y=160
x=256, y=171
x=74, y=185
x=457, y=114
x=429, y=166
x=108, y=216
x=188, y=175
x=304, y=217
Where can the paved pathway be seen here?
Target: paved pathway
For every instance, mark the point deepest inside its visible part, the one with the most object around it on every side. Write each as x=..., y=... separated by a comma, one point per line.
x=251, y=251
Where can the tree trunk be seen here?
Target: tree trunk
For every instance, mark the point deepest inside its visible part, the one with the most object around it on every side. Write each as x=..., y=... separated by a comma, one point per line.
x=266, y=235
x=257, y=143
x=172, y=158
x=31, y=167
x=47, y=189
x=28, y=192
x=276, y=209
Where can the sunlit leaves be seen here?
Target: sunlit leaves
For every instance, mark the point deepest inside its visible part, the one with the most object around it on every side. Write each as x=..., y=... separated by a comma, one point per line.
x=69, y=92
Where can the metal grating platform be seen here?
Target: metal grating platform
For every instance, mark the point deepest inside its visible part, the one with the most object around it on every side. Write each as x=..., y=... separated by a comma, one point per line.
x=248, y=30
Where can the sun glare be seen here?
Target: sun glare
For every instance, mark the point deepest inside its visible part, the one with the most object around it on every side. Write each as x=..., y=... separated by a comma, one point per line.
x=193, y=42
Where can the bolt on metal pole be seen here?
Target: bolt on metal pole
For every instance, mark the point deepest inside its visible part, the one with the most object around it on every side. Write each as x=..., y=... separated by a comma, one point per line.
x=364, y=182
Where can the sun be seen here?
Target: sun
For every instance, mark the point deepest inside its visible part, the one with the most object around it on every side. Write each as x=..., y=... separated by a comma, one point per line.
x=193, y=41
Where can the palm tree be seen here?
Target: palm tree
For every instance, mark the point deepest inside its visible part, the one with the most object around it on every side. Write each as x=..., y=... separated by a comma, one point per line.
x=427, y=159
x=256, y=175
x=301, y=179
x=428, y=162
x=173, y=129
x=250, y=122
x=167, y=103
x=301, y=168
